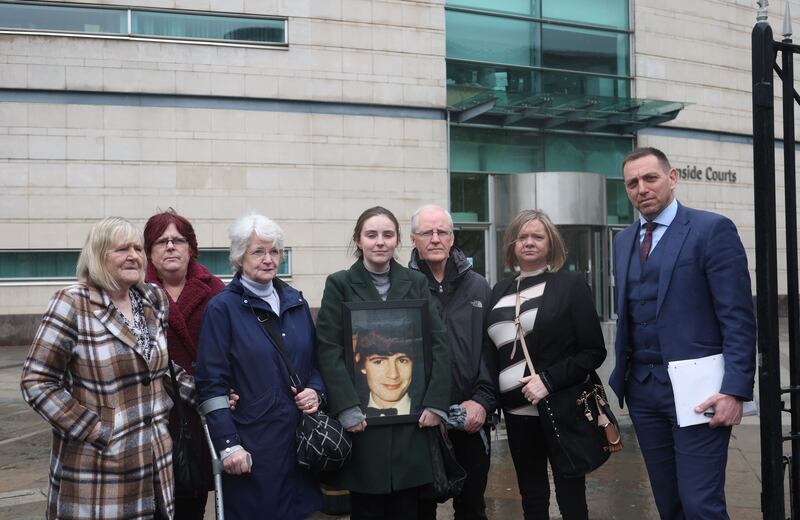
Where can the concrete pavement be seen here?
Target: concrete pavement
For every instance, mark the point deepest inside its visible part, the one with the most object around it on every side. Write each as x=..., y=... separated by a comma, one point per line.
x=619, y=490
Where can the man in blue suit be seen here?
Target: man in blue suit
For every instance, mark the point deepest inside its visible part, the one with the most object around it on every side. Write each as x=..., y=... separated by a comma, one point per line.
x=682, y=292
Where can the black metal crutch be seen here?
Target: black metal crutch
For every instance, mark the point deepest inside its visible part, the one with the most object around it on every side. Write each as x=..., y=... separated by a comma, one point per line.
x=215, y=403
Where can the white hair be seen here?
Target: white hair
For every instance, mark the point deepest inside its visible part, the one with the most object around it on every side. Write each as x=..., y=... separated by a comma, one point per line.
x=429, y=207
x=244, y=228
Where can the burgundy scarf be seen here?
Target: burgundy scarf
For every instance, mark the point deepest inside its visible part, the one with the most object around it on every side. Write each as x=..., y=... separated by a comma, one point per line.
x=186, y=314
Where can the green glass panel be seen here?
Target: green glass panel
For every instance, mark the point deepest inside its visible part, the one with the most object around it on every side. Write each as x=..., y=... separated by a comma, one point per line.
x=491, y=38
x=469, y=197
x=217, y=261
x=16, y=265
x=493, y=77
x=528, y=7
x=521, y=82
x=584, y=85
x=585, y=50
x=586, y=153
x=72, y=19
x=473, y=243
x=207, y=27
x=50, y=264
x=618, y=206
x=495, y=151
x=611, y=13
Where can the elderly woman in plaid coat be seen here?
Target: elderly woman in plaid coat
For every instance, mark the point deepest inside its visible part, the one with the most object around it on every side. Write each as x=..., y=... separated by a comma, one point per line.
x=97, y=372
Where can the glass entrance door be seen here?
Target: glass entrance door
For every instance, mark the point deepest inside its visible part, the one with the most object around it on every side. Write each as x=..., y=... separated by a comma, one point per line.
x=473, y=242
x=586, y=250
x=611, y=232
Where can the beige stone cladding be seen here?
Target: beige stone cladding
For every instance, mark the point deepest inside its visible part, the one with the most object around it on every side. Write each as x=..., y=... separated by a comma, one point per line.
x=385, y=52
x=365, y=126
x=698, y=52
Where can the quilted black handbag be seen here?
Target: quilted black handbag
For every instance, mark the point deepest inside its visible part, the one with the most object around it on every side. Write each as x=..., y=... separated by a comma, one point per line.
x=189, y=478
x=322, y=442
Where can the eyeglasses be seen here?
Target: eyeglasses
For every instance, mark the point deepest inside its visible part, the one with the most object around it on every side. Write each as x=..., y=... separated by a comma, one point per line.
x=176, y=241
x=260, y=253
x=442, y=233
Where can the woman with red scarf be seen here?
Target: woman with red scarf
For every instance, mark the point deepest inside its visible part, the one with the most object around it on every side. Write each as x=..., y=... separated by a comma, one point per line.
x=171, y=247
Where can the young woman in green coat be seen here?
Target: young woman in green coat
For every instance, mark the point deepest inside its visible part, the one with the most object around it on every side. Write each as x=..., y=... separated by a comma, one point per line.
x=390, y=463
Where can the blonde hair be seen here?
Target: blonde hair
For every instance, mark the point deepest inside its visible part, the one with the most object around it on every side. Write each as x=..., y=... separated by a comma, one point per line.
x=102, y=237
x=558, y=251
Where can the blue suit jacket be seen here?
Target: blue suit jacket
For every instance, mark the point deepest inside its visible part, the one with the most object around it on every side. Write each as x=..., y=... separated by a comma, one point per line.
x=704, y=305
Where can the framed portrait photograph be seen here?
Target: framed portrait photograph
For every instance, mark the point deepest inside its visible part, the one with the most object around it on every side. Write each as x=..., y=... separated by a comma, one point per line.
x=388, y=354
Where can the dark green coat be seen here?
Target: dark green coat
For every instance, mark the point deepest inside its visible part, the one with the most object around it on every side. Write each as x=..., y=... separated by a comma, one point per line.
x=391, y=457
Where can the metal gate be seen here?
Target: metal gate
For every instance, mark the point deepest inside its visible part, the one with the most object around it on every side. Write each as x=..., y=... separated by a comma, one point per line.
x=766, y=66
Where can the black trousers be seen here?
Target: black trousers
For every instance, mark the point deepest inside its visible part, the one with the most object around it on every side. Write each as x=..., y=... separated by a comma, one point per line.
x=529, y=453
x=190, y=508
x=400, y=505
x=473, y=457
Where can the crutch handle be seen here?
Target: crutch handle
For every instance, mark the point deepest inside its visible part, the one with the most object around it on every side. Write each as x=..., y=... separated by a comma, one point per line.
x=215, y=403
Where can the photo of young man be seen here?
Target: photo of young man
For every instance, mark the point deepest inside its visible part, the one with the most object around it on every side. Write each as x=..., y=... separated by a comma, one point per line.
x=388, y=365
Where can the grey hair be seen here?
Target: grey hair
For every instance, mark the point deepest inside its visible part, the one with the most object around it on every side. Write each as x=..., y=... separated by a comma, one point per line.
x=429, y=207
x=244, y=228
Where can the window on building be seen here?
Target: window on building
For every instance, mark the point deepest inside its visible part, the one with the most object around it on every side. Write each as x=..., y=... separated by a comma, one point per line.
x=52, y=264
x=584, y=50
x=217, y=260
x=618, y=207
x=585, y=153
x=469, y=197
x=495, y=150
x=491, y=39
x=584, y=84
x=59, y=264
x=526, y=7
x=207, y=27
x=141, y=23
x=514, y=57
x=73, y=19
x=611, y=13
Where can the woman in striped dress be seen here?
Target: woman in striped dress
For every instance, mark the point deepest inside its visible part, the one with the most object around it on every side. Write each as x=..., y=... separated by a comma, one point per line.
x=557, y=319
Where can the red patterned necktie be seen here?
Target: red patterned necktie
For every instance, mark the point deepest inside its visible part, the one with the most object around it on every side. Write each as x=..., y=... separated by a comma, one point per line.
x=647, y=243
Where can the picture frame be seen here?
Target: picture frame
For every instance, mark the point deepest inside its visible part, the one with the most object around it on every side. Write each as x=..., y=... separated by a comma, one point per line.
x=388, y=355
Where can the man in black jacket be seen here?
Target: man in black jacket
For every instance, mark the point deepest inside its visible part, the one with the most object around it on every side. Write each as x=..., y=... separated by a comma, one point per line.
x=464, y=295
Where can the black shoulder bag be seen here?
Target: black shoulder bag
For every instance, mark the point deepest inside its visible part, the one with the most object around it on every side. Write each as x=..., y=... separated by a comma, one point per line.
x=448, y=475
x=189, y=479
x=322, y=442
x=576, y=420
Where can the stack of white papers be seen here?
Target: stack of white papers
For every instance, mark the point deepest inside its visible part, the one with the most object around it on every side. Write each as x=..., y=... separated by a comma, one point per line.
x=694, y=381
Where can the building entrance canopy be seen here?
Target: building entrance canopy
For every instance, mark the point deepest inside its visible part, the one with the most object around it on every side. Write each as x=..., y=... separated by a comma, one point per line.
x=557, y=111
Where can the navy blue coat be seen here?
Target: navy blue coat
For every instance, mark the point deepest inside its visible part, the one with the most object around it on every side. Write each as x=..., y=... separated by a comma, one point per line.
x=704, y=305
x=235, y=352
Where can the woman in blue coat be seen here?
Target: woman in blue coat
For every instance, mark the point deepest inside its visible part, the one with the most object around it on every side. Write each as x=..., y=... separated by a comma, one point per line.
x=256, y=442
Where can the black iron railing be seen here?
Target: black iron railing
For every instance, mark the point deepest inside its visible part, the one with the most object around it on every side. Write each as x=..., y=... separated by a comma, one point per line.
x=774, y=461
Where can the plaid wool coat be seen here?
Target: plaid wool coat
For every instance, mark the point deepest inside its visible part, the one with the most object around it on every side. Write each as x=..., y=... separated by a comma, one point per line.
x=84, y=366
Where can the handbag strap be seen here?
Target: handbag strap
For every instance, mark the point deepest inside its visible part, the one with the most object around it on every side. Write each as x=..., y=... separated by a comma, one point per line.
x=176, y=390
x=268, y=325
x=520, y=333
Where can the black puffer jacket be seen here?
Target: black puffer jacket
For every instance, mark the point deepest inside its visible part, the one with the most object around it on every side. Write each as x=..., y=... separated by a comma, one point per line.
x=464, y=295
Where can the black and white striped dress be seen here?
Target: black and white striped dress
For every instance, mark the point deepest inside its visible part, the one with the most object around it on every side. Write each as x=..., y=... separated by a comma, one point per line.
x=502, y=331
